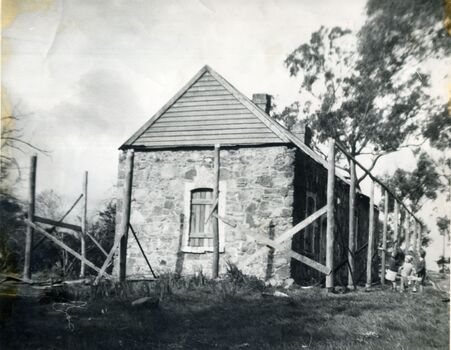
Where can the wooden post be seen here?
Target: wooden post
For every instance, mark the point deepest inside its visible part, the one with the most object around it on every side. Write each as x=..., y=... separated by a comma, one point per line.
x=415, y=236
x=407, y=234
x=396, y=223
x=270, y=260
x=330, y=215
x=215, y=222
x=126, y=203
x=419, y=238
x=31, y=207
x=351, y=241
x=369, y=260
x=84, y=223
x=384, y=237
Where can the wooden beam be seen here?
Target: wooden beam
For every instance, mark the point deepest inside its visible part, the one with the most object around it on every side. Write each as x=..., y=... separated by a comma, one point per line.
x=84, y=224
x=70, y=209
x=142, y=250
x=215, y=223
x=63, y=246
x=415, y=237
x=396, y=223
x=60, y=220
x=369, y=261
x=96, y=243
x=407, y=234
x=270, y=258
x=225, y=220
x=31, y=208
x=419, y=238
x=286, y=235
x=384, y=237
x=330, y=231
x=56, y=223
x=126, y=207
x=213, y=207
x=375, y=179
x=124, y=222
x=351, y=240
x=344, y=261
x=305, y=260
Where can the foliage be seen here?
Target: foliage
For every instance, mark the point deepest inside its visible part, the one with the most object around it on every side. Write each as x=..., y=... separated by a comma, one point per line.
x=369, y=90
x=103, y=230
x=12, y=141
x=55, y=260
x=46, y=256
x=344, y=102
x=405, y=30
x=418, y=185
x=408, y=35
x=437, y=130
x=442, y=263
x=12, y=234
x=443, y=224
x=12, y=228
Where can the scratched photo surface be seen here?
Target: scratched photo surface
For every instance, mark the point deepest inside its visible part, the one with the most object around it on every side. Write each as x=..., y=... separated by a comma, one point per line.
x=202, y=174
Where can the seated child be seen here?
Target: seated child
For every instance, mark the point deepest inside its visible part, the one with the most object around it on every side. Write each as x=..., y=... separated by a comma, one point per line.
x=406, y=270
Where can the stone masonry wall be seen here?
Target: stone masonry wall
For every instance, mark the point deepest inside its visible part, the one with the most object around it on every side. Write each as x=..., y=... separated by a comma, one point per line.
x=258, y=182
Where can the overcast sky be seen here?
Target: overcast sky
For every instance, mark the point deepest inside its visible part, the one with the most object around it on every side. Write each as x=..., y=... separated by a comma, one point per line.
x=92, y=72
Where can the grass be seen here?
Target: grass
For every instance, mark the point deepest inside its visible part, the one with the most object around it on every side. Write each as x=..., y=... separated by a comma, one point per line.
x=223, y=315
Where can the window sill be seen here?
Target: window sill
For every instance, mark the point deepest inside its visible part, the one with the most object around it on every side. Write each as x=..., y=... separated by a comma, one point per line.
x=200, y=250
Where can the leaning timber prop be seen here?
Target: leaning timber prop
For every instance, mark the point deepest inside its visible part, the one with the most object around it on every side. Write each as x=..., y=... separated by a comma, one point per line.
x=120, y=240
x=285, y=236
x=53, y=228
x=292, y=254
x=142, y=250
x=64, y=246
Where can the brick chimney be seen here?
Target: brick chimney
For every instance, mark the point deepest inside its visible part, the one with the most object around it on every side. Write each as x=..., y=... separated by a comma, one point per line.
x=302, y=132
x=263, y=101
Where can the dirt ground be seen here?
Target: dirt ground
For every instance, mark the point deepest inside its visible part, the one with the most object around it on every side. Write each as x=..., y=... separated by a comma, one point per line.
x=208, y=318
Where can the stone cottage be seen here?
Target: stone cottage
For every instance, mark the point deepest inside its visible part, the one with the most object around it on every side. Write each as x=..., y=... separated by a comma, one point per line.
x=269, y=181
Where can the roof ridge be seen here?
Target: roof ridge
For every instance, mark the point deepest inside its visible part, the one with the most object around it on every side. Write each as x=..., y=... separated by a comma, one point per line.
x=279, y=130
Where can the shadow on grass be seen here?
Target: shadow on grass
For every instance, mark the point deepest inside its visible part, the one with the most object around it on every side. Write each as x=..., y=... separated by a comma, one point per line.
x=201, y=319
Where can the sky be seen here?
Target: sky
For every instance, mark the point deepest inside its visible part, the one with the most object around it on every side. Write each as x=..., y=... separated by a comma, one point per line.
x=86, y=75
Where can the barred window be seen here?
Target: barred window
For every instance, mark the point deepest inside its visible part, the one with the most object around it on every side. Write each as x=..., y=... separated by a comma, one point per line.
x=200, y=233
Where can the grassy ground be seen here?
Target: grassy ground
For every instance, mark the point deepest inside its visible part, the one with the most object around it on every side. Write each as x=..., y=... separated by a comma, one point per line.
x=212, y=317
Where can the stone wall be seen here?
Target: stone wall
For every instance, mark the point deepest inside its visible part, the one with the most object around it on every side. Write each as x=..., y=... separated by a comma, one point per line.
x=258, y=186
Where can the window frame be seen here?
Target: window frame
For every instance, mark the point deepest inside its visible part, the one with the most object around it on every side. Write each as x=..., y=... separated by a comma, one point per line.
x=189, y=188
x=205, y=206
